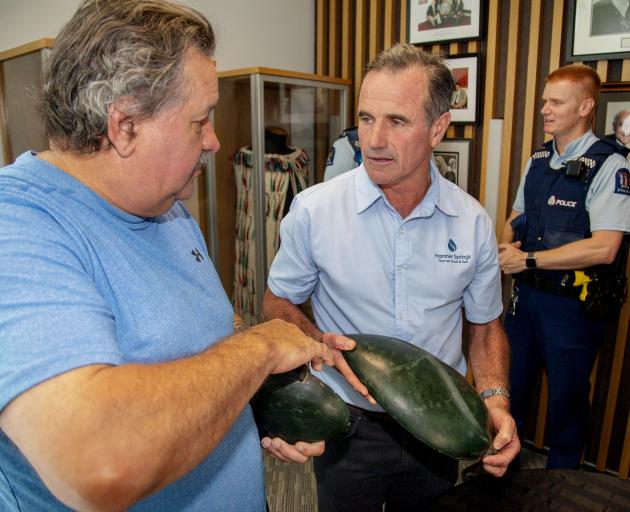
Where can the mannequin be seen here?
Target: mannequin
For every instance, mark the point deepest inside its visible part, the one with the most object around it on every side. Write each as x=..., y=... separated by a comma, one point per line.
x=276, y=141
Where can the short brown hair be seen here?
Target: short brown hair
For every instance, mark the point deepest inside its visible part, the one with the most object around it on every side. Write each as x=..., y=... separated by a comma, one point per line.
x=403, y=56
x=580, y=74
x=113, y=49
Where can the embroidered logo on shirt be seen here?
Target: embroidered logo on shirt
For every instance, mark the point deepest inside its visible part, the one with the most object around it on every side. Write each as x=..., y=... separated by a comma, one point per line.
x=622, y=182
x=553, y=201
x=198, y=256
x=453, y=257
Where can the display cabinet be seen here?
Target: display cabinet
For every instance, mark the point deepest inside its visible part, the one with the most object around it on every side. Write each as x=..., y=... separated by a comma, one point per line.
x=275, y=128
x=20, y=83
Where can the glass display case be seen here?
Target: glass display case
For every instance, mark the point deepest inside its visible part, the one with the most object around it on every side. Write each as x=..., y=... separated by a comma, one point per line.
x=276, y=128
x=20, y=83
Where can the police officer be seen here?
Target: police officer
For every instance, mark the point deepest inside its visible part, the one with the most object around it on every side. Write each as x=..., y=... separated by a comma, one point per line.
x=344, y=155
x=568, y=221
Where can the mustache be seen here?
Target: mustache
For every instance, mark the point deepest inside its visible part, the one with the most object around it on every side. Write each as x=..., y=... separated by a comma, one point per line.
x=203, y=159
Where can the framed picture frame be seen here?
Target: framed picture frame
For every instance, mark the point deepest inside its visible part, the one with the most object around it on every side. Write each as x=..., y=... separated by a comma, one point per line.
x=431, y=21
x=596, y=30
x=452, y=157
x=612, y=119
x=465, y=99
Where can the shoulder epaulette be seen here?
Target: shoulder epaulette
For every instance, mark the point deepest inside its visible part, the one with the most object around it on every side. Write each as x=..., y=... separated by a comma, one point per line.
x=541, y=153
x=589, y=162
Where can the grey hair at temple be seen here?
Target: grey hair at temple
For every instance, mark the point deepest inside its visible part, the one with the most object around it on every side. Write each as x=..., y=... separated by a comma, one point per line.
x=113, y=50
x=403, y=56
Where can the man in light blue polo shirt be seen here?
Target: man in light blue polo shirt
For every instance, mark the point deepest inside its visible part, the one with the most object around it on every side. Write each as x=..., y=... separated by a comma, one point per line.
x=393, y=248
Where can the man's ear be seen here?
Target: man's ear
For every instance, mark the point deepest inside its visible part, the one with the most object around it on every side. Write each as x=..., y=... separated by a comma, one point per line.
x=587, y=107
x=439, y=127
x=120, y=129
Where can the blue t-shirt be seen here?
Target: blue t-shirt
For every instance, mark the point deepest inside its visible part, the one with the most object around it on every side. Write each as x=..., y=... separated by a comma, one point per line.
x=367, y=270
x=82, y=282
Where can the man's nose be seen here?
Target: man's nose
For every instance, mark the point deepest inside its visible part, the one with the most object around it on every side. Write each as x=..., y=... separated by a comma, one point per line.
x=210, y=139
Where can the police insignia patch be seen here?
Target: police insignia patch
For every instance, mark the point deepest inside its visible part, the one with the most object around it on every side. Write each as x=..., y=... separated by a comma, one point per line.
x=622, y=182
x=331, y=156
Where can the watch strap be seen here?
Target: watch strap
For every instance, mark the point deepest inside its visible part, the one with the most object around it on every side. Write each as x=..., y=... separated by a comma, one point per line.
x=530, y=260
x=487, y=393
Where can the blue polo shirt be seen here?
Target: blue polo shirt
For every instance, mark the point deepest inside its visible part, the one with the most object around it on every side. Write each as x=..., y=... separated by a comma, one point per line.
x=82, y=282
x=367, y=270
x=607, y=201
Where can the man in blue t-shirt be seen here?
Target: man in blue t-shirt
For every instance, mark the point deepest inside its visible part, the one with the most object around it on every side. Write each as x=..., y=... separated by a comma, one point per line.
x=122, y=382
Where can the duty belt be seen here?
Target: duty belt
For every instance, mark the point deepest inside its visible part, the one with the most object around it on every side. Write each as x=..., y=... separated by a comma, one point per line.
x=562, y=286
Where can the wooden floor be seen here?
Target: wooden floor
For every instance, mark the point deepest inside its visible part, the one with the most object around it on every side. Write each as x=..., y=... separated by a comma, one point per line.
x=291, y=487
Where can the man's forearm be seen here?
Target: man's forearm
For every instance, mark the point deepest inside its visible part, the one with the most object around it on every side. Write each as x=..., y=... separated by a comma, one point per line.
x=118, y=434
x=276, y=307
x=489, y=356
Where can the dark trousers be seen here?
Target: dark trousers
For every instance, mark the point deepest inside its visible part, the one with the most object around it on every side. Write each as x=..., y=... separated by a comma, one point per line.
x=375, y=461
x=551, y=331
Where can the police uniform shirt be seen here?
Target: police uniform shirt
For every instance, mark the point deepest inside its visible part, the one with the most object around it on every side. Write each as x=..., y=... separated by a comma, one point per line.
x=608, y=198
x=340, y=159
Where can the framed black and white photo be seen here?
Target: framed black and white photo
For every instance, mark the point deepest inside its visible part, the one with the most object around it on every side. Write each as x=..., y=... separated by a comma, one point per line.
x=613, y=112
x=597, y=30
x=452, y=157
x=443, y=20
x=465, y=98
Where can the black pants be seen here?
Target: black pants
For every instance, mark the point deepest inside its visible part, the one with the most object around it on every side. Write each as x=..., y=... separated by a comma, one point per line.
x=376, y=462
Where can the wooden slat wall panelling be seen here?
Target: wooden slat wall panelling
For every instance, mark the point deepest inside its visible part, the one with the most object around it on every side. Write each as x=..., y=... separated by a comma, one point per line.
x=346, y=39
x=530, y=90
x=602, y=70
x=388, y=24
x=321, y=37
x=556, y=35
x=625, y=71
x=508, y=108
x=404, y=20
x=359, y=44
x=489, y=91
x=375, y=29
x=624, y=467
x=332, y=38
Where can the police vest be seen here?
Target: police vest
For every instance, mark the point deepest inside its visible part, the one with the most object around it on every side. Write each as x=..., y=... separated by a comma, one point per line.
x=555, y=202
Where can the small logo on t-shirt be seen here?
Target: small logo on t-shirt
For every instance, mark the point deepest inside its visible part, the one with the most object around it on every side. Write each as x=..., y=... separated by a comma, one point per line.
x=453, y=257
x=198, y=256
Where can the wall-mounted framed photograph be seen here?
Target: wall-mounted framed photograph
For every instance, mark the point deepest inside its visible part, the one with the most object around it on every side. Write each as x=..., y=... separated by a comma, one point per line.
x=452, y=157
x=431, y=21
x=597, y=30
x=612, y=120
x=465, y=98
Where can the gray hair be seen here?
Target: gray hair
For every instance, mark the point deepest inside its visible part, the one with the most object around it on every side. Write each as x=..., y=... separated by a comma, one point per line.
x=403, y=56
x=114, y=49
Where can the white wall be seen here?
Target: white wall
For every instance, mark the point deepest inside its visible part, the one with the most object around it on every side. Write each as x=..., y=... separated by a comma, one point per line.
x=273, y=33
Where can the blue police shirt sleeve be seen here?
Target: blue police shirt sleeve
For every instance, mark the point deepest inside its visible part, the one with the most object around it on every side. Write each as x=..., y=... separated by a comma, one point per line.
x=482, y=297
x=293, y=275
x=608, y=198
x=342, y=159
x=519, y=202
x=52, y=317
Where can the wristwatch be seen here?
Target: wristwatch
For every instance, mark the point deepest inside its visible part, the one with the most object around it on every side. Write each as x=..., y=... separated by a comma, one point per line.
x=530, y=261
x=487, y=393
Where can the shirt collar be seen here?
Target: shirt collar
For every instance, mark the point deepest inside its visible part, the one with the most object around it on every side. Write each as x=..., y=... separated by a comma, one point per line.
x=574, y=149
x=367, y=193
